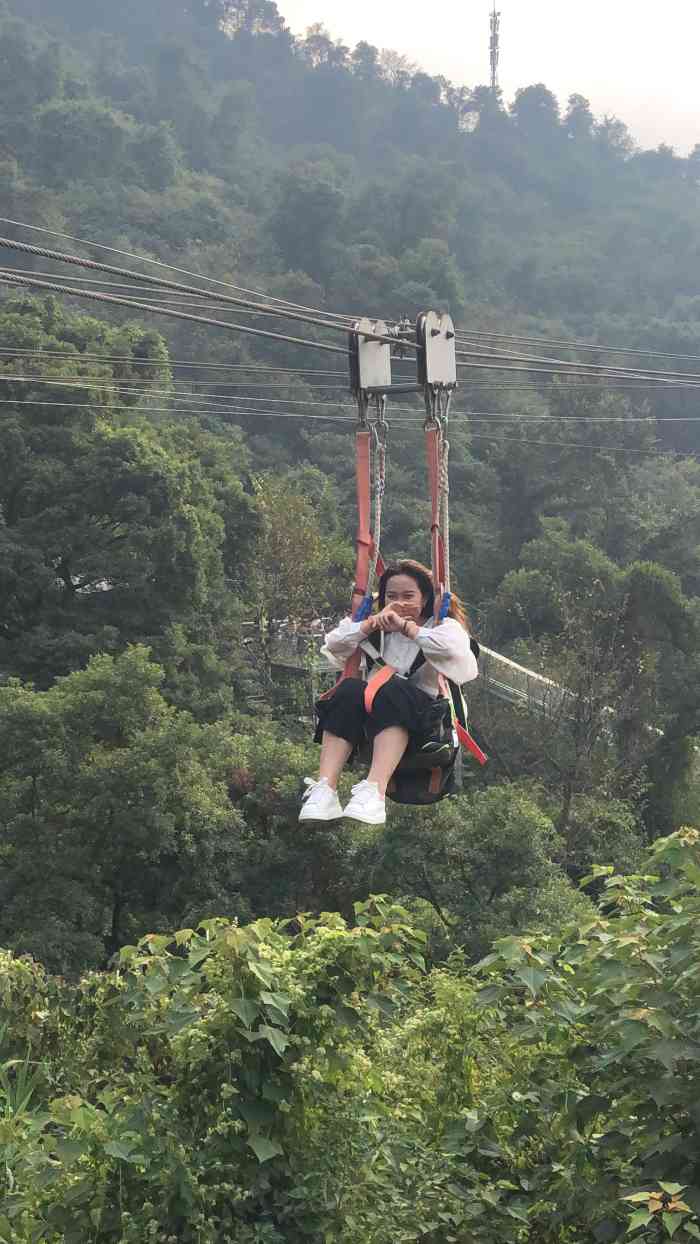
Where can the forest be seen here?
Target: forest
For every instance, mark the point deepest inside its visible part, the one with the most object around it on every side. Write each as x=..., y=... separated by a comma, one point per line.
x=478, y=1024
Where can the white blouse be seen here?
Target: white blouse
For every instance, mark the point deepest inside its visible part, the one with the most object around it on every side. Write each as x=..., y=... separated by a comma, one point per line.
x=445, y=646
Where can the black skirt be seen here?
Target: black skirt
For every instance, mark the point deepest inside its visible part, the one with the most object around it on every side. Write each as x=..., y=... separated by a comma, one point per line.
x=397, y=703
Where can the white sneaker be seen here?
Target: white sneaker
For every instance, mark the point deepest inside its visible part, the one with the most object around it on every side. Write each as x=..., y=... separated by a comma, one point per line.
x=367, y=804
x=320, y=802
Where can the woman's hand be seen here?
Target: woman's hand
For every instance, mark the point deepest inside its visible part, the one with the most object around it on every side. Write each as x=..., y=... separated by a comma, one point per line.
x=386, y=620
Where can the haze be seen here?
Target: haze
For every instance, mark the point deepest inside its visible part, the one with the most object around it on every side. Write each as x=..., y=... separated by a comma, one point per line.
x=635, y=59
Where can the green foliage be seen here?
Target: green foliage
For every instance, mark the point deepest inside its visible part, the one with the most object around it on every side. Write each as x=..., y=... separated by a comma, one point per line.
x=310, y=1081
x=124, y=802
x=115, y=529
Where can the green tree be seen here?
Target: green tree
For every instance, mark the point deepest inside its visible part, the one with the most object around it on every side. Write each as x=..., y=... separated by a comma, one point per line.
x=114, y=811
x=308, y=213
x=114, y=529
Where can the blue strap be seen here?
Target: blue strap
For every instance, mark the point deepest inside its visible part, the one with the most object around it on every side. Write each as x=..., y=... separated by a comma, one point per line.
x=445, y=606
x=364, y=610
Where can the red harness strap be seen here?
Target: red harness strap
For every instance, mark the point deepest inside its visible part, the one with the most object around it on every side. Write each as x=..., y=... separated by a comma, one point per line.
x=364, y=544
x=471, y=744
x=462, y=733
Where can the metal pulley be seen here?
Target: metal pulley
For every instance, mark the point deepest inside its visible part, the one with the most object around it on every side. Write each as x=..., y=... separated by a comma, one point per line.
x=437, y=351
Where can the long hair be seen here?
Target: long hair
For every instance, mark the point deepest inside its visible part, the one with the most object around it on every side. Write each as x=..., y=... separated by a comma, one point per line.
x=422, y=576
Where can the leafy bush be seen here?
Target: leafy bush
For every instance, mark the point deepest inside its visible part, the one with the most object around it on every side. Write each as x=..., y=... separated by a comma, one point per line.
x=309, y=1081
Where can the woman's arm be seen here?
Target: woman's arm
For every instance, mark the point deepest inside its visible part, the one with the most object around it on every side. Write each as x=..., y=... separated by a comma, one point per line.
x=341, y=642
x=446, y=648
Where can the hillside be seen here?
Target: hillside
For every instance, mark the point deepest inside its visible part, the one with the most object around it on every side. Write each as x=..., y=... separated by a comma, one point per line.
x=173, y=493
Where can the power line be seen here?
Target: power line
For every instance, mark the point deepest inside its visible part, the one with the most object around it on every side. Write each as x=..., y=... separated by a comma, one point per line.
x=113, y=300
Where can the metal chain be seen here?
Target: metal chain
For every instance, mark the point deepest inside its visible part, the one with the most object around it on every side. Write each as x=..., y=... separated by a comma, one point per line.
x=445, y=488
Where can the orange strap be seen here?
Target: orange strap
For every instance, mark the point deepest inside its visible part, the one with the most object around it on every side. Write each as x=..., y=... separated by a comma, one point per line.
x=363, y=543
x=375, y=684
x=435, y=781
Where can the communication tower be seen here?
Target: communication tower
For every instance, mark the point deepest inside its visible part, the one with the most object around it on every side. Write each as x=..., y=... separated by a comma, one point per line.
x=494, y=47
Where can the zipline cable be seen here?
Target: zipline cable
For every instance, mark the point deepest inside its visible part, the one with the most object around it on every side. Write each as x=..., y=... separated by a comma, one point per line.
x=592, y=383
x=13, y=276
x=74, y=356
x=142, y=384
x=585, y=368
x=113, y=300
x=26, y=248
x=161, y=264
x=577, y=345
x=463, y=416
x=187, y=410
x=548, y=371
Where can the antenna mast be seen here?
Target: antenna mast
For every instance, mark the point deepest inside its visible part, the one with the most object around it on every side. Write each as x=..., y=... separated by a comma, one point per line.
x=495, y=23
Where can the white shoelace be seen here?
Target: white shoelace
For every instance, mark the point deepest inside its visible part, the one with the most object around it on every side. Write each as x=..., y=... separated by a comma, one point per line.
x=313, y=785
x=365, y=786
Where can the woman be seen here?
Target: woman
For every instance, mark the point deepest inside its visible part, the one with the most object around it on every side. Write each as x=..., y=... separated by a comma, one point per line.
x=420, y=650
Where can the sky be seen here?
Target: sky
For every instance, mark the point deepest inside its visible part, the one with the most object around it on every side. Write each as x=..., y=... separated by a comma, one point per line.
x=634, y=58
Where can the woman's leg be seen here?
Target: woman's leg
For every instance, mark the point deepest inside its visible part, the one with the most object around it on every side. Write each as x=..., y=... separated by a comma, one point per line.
x=342, y=719
x=335, y=753
x=389, y=747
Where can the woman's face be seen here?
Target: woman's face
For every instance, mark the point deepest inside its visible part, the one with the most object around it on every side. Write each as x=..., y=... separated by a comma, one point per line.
x=404, y=596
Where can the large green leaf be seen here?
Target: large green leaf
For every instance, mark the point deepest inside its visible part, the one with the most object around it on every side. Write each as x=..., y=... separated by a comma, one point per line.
x=246, y=1009
x=639, y=1218
x=672, y=1222
x=533, y=978
x=280, y=1001
x=264, y=1148
x=278, y=1039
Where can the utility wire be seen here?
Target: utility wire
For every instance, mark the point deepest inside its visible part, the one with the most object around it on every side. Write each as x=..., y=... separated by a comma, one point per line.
x=113, y=300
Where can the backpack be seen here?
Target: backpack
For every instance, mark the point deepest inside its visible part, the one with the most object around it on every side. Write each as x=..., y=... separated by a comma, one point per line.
x=431, y=767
